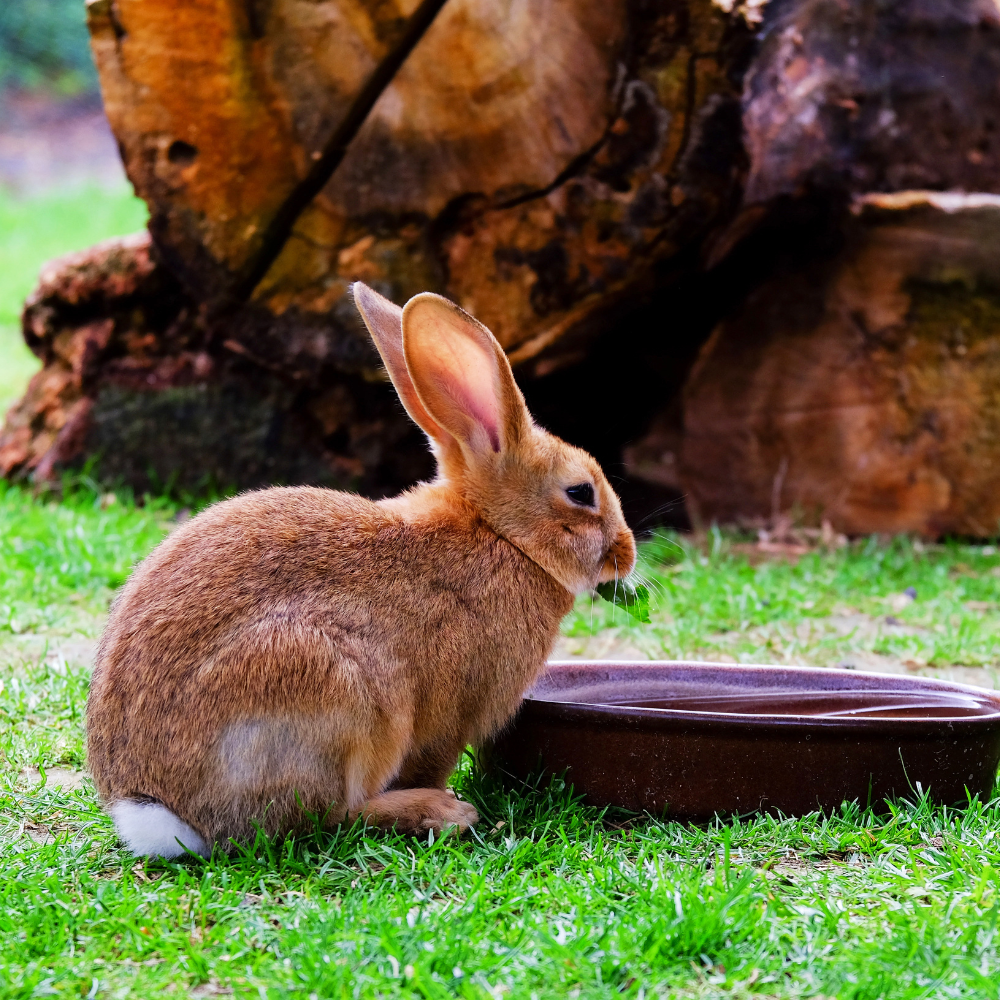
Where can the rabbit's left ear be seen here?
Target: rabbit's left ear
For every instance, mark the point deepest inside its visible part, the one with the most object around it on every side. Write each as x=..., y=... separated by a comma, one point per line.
x=384, y=320
x=462, y=376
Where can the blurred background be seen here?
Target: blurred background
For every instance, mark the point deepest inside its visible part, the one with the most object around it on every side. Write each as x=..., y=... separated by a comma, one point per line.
x=44, y=45
x=62, y=184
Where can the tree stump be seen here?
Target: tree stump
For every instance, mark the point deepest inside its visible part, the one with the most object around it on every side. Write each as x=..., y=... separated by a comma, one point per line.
x=535, y=162
x=857, y=381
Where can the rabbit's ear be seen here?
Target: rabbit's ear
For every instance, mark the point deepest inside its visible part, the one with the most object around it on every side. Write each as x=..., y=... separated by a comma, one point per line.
x=462, y=376
x=384, y=320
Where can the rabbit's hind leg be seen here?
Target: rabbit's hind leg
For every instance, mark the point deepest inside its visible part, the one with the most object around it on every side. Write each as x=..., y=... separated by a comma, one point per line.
x=414, y=810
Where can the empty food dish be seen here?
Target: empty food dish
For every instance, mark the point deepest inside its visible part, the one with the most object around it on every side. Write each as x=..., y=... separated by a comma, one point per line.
x=697, y=739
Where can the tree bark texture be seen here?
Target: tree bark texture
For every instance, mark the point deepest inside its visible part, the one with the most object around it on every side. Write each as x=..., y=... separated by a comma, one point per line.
x=858, y=380
x=601, y=183
x=128, y=380
x=531, y=160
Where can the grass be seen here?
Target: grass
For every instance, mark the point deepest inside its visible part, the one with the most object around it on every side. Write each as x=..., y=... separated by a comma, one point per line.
x=61, y=560
x=551, y=899
x=891, y=604
x=33, y=231
x=548, y=898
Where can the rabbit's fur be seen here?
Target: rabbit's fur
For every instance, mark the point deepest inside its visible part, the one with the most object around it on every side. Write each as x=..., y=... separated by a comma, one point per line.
x=297, y=651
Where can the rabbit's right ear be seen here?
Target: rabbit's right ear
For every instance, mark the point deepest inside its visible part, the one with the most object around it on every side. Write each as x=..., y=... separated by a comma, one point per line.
x=384, y=320
x=462, y=377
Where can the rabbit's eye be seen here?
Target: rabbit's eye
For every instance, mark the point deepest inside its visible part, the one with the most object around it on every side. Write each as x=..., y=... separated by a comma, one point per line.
x=583, y=494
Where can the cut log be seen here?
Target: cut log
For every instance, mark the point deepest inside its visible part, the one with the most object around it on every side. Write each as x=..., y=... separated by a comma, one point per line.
x=528, y=159
x=830, y=391
x=218, y=129
x=864, y=388
x=535, y=162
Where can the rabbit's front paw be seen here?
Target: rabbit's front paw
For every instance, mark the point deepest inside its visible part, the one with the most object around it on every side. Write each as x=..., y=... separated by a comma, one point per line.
x=450, y=812
x=420, y=809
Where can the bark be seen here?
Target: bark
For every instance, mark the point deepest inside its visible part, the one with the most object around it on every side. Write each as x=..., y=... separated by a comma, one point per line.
x=831, y=391
x=857, y=96
x=132, y=381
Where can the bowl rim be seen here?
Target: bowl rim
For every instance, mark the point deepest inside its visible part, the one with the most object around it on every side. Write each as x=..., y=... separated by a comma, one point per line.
x=859, y=680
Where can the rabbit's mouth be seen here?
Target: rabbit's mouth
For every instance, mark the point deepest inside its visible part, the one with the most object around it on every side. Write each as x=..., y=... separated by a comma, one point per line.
x=619, y=560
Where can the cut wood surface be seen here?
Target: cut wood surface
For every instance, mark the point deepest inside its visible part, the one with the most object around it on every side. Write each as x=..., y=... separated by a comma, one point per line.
x=527, y=158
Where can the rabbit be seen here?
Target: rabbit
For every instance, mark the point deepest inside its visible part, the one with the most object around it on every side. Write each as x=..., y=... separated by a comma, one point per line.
x=296, y=652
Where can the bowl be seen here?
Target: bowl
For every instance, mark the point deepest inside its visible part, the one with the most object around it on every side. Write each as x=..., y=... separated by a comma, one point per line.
x=692, y=740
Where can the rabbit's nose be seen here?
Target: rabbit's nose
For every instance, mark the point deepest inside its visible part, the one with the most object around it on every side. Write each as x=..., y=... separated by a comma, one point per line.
x=620, y=558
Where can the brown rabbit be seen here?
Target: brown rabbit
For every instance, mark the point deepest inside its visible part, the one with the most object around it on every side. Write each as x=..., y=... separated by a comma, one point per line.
x=301, y=651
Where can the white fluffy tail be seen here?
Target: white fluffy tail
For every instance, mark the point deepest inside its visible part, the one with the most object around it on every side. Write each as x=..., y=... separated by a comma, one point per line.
x=152, y=829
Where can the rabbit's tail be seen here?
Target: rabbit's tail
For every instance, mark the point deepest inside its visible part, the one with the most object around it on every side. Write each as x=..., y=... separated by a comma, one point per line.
x=150, y=828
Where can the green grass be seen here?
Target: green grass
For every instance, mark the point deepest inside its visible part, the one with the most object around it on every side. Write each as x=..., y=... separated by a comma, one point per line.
x=847, y=606
x=550, y=899
x=72, y=553
x=547, y=898
x=33, y=231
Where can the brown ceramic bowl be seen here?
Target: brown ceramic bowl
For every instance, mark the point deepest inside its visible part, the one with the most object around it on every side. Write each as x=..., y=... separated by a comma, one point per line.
x=696, y=739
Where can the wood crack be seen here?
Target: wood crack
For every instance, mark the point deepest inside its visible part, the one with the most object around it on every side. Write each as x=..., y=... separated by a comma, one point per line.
x=575, y=166
x=280, y=227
